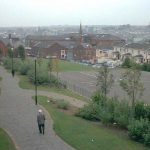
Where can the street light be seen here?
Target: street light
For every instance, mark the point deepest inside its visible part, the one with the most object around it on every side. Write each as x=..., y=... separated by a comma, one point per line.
x=12, y=71
x=35, y=82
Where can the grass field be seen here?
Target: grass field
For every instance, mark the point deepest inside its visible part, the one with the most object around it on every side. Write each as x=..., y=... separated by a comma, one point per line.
x=63, y=65
x=85, y=135
x=5, y=141
x=25, y=84
x=71, y=66
x=0, y=78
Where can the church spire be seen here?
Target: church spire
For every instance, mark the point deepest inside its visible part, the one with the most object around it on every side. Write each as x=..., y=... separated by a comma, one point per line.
x=81, y=33
x=80, y=29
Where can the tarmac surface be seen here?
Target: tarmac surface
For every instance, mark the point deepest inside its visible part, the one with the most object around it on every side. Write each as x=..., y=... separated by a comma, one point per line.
x=87, y=81
x=18, y=117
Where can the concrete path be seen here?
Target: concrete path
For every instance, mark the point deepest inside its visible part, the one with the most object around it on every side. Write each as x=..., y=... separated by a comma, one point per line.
x=18, y=116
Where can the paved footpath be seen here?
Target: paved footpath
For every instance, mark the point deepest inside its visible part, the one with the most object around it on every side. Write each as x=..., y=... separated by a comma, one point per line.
x=18, y=116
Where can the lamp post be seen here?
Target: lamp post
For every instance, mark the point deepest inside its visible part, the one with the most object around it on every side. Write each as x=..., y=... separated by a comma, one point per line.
x=12, y=71
x=35, y=85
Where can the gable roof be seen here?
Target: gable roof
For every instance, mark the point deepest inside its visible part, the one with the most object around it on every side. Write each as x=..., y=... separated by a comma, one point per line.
x=138, y=46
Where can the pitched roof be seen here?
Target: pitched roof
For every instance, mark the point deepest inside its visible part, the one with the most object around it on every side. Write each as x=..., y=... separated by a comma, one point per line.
x=103, y=37
x=138, y=46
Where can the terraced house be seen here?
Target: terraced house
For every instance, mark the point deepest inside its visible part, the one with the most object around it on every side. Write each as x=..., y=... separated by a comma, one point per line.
x=140, y=52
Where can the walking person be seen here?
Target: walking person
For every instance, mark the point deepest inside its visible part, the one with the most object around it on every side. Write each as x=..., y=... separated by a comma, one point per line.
x=41, y=121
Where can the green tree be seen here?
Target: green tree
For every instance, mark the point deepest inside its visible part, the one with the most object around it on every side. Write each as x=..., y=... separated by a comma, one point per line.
x=1, y=53
x=131, y=83
x=128, y=63
x=21, y=52
x=104, y=80
x=50, y=67
x=10, y=52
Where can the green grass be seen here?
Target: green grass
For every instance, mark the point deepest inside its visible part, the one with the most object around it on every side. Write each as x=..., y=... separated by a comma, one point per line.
x=79, y=133
x=25, y=84
x=5, y=141
x=0, y=78
x=71, y=66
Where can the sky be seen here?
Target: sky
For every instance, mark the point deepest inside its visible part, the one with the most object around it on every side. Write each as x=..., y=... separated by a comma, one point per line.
x=71, y=12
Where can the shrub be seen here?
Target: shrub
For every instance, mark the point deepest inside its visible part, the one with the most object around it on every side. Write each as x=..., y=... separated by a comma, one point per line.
x=7, y=62
x=41, y=76
x=25, y=67
x=89, y=112
x=127, y=63
x=17, y=63
x=145, y=67
x=147, y=109
x=99, y=99
x=63, y=104
x=140, y=110
x=106, y=117
x=138, y=128
x=122, y=113
x=147, y=139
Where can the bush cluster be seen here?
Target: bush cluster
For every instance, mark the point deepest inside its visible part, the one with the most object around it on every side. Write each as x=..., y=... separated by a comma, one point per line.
x=63, y=104
x=89, y=112
x=128, y=63
x=138, y=129
x=28, y=68
x=120, y=113
x=108, y=111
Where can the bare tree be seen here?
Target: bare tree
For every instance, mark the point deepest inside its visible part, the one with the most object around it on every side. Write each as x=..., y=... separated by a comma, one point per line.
x=104, y=80
x=131, y=83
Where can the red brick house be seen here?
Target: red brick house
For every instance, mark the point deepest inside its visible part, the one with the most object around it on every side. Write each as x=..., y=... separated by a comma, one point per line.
x=103, y=39
x=55, y=50
x=84, y=51
x=3, y=49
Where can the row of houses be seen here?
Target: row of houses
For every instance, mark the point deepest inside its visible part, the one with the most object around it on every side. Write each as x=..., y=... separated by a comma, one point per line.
x=140, y=52
x=71, y=47
x=91, y=48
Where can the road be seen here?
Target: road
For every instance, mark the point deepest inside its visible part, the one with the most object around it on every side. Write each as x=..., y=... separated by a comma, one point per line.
x=88, y=80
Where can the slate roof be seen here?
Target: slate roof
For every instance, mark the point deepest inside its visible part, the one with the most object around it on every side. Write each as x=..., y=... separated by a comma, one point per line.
x=15, y=42
x=138, y=46
x=103, y=37
x=105, y=47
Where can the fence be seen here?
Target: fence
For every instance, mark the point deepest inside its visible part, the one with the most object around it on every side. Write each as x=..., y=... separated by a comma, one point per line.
x=80, y=90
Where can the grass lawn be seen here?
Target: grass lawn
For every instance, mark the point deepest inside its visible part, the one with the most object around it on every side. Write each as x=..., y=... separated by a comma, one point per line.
x=25, y=84
x=5, y=141
x=85, y=135
x=71, y=66
x=0, y=78
x=68, y=66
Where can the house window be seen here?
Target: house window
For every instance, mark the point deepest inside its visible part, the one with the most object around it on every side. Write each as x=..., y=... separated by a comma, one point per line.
x=63, y=54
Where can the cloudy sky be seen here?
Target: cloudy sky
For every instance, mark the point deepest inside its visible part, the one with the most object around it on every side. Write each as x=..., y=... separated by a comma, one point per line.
x=70, y=12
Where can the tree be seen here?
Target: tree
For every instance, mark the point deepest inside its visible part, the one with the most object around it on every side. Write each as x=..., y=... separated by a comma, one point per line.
x=10, y=52
x=21, y=52
x=131, y=83
x=127, y=63
x=104, y=80
x=1, y=53
x=50, y=67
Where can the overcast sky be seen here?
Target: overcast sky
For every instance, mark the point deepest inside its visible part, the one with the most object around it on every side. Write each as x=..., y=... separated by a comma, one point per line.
x=70, y=12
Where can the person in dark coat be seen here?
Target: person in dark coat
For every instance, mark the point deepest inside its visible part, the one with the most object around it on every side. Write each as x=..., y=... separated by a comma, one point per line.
x=41, y=121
